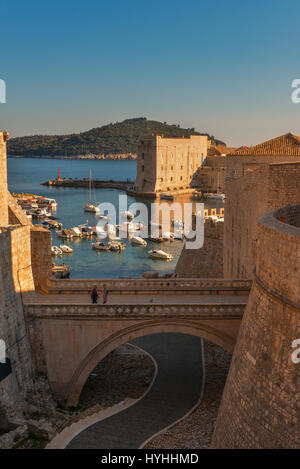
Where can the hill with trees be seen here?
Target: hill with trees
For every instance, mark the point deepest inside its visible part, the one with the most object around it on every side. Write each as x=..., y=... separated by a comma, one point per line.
x=118, y=138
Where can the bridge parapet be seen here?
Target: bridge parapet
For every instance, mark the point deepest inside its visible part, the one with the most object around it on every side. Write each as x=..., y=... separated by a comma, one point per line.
x=141, y=311
x=167, y=286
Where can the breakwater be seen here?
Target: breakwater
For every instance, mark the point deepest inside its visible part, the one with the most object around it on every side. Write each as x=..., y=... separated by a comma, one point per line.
x=97, y=184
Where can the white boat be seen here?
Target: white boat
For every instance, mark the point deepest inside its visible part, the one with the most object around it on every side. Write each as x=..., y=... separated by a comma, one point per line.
x=66, y=249
x=162, y=255
x=218, y=196
x=129, y=215
x=92, y=206
x=138, y=240
x=168, y=235
x=76, y=232
x=99, y=246
x=116, y=246
x=56, y=251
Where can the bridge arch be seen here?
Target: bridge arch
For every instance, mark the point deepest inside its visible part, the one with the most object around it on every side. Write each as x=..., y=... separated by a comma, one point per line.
x=101, y=350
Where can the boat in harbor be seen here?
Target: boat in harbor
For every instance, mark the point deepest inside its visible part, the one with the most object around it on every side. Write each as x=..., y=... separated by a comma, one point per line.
x=161, y=255
x=166, y=197
x=56, y=251
x=67, y=234
x=99, y=246
x=156, y=240
x=138, y=241
x=66, y=249
x=116, y=246
x=129, y=215
x=217, y=196
x=60, y=271
x=92, y=206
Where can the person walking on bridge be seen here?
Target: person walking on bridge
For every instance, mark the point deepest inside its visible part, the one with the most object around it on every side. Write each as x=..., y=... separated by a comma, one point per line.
x=104, y=294
x=94, y=295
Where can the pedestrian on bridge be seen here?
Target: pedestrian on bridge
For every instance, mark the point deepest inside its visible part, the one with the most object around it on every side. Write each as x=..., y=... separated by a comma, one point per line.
x=104, y=294
x=94, y=295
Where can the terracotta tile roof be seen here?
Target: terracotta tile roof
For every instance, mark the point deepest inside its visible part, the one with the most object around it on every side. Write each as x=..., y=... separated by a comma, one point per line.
x=288, y=144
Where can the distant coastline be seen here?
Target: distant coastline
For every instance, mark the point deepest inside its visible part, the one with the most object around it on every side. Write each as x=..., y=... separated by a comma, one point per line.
x=118, y=157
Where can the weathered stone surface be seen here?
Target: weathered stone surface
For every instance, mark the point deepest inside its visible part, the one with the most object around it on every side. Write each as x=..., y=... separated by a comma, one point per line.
x=260, y=403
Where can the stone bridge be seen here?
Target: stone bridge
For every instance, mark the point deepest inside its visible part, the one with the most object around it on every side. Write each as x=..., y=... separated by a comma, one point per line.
x=70, y=336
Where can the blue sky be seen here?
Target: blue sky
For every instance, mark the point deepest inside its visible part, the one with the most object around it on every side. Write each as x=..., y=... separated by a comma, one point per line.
x=224, y=67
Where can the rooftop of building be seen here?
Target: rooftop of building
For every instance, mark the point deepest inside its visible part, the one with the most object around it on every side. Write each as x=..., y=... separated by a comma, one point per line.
x=288, y=144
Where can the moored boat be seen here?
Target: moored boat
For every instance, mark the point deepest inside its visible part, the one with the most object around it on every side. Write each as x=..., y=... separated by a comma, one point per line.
x=138, y=240
x=66, y=249
x=161, y=255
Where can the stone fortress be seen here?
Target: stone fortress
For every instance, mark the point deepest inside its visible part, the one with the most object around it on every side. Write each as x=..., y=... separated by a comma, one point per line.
x=261, y=242
x=169, y=164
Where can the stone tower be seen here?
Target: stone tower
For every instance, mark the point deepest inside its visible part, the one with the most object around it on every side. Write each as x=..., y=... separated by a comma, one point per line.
x=260, y=403
x=168, y=163
x=3, y=180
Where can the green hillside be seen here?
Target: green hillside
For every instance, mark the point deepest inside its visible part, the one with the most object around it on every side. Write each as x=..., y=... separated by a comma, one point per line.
x=121, y=137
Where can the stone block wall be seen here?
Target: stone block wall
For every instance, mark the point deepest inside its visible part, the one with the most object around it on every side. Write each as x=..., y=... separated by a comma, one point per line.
x=3, y=180
x=16, y=285
x=247, y=197
x=260, y=403
x=41, y=260
x=206, y=262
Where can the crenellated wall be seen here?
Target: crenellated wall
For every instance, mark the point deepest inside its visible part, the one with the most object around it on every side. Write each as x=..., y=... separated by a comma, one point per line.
x=260, y=403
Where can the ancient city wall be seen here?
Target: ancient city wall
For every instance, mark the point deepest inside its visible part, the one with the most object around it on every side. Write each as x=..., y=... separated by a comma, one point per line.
x=206, y=262
x=16, y=286
x=3, y=180
x=239, y=165
x=260, y=403
x=210, y=179
x=41, y=260
x=269, y=187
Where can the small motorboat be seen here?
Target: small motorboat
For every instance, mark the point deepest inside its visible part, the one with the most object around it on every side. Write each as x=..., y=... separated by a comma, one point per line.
x=138, y=240
x=60, y=271
x=161, y=255
x=116, y=246
x=156, y=240
x=56, y=251
x=65, y=234
x=218, y=196
x=76, y=232
x=168, y=236
x=129, y=215
x=66, y=249
x=99, y=246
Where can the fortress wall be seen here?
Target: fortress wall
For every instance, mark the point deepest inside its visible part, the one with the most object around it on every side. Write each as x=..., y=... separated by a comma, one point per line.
x=269, y=187
x=206, y=262
x=3, y=180
x=260, y=403
x=16, y=285
x=16, y=216
x=41, y=260
x=168, y=163
x=211, y=179
x=239, y=165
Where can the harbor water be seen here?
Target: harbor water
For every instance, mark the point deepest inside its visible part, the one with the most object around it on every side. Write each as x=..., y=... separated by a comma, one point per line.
x=27, y=174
